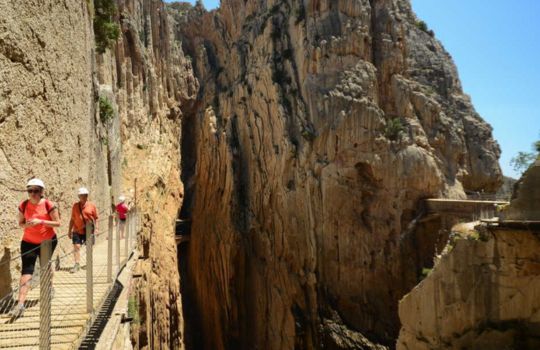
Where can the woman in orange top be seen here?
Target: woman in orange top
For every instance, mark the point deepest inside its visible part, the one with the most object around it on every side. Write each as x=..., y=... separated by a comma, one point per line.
x=38, y=217
x=82, y=212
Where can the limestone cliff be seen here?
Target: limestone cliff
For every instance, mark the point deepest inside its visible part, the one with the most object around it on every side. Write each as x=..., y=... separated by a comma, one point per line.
x=320, y=127
x=524, y=205
x=150, y=81
x=308, y=132
x=50, y=82
x=48, y=125
x=482, y=295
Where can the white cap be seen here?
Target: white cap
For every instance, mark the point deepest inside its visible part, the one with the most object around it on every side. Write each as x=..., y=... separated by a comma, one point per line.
x=35, y=182
x=83, y=190
x=122, y=198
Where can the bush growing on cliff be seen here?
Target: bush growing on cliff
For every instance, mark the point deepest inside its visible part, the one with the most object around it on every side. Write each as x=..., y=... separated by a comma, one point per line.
x=133, y=310
x=106, y=30
x=523, y=160
x=180, y=7
x=106, y=110
x=393, y=129
x=424, y=27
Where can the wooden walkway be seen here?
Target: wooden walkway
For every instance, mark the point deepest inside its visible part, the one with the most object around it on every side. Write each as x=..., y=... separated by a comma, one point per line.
x=460, y=207
x=69, y=317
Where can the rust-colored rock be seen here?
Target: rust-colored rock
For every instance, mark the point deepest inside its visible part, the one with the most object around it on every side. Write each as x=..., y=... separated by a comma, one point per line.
x=321, y=126
x=150, y=81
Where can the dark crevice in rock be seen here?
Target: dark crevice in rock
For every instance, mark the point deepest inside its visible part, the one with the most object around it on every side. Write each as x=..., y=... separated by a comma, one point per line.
x=241, y=179
x=188, y=151
x=192, y=332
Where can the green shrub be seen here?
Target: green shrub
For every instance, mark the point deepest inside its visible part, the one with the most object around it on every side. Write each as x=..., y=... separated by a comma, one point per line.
x=180, y=7
x=424, y=27
x=522, y=161
x=393, y=129
x=133, y=309
x=106, y=30
x=309, y=133
x=106, y=110
x=425, y=272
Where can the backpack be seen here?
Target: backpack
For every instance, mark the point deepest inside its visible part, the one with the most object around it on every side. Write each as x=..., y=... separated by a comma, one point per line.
x=48, y=205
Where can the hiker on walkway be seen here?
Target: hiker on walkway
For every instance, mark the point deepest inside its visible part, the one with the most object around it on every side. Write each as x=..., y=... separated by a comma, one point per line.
x=122, y=209
x=82, y=212
x=38, y=217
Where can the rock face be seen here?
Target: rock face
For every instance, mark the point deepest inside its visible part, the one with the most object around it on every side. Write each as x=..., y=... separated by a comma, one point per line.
x=526, y=197
x=482, y=295
x=505, y=191
x=320, y=127
x=150, y=81
x=50, y=81
x=48, y=128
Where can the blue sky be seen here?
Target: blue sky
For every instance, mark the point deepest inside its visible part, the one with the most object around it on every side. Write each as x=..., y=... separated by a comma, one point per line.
x=496, y=47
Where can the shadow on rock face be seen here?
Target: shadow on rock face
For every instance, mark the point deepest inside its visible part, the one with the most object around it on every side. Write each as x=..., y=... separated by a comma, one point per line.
x=5, y=273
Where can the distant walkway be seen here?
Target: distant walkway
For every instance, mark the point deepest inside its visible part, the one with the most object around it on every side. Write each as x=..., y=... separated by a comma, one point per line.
x=462, y=207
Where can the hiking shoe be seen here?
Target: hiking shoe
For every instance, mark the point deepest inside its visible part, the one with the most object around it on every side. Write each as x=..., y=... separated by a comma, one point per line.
x=75, y=268
x=16, y=311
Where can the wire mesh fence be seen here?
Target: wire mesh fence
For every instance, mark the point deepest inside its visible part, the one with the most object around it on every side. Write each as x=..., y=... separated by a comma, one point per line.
x=54, y=307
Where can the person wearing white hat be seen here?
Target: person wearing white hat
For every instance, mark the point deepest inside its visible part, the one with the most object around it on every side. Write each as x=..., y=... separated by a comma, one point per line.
x=82, y=212
x=122, y=209
x=38, y=217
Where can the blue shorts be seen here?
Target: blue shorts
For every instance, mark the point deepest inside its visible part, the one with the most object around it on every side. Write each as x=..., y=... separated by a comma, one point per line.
x=78, y=238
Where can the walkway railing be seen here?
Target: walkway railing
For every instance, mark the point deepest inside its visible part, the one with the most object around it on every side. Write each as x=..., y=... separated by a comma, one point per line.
x=62, y=302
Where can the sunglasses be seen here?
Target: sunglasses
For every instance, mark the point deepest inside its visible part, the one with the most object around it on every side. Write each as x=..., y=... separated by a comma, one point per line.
x=32, y=191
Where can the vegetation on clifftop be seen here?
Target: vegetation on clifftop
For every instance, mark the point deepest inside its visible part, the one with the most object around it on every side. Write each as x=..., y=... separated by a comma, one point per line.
x=523, y=160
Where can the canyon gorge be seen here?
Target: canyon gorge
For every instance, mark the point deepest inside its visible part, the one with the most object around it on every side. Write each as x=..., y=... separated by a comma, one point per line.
x=300, y=139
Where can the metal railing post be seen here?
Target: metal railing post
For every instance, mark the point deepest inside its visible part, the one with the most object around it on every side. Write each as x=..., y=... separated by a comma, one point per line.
x=45, y=287
x=117, y=225
x=89, y=269
x=109, y=248
x=126, y=232
x=135, y=228
x=133, y=231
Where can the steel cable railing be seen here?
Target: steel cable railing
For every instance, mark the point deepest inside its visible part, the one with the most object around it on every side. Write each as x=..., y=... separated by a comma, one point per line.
x=62, y=302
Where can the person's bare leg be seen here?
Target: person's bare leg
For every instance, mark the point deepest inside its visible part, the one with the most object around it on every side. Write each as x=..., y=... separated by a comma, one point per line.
x=76, y=257
x=24, y=286
x=77, y=253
